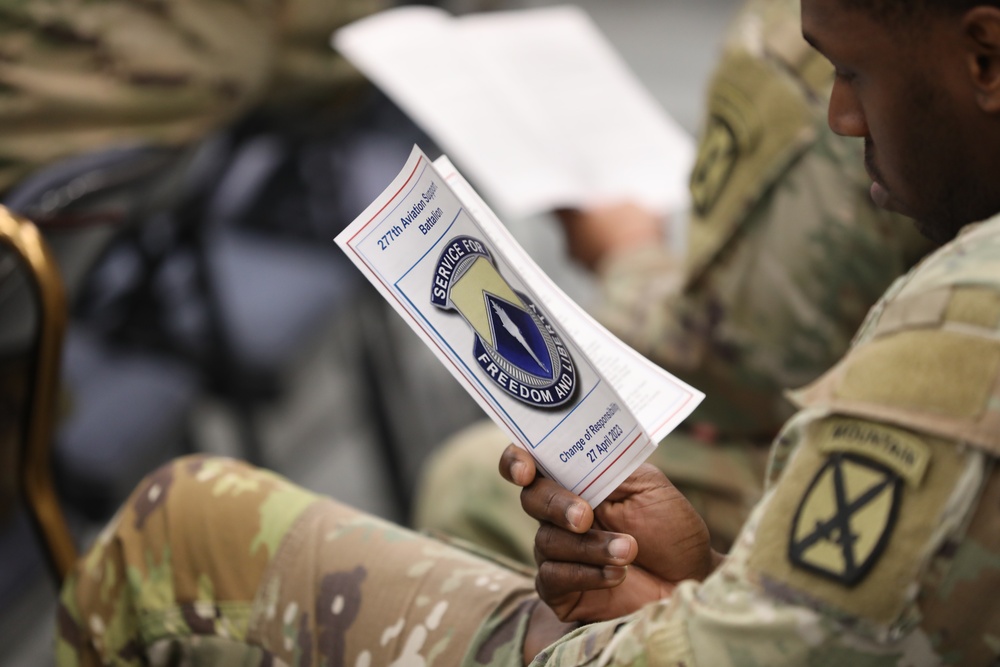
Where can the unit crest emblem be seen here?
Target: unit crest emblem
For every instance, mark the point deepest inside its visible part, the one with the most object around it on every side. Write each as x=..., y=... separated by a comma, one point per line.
x=516, y=345
x=845, y=518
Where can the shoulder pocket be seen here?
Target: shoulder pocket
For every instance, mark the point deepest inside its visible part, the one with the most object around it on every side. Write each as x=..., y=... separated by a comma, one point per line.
x=856, y=518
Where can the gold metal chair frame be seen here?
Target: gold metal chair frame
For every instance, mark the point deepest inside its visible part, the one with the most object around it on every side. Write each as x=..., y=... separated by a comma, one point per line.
x=35, y=455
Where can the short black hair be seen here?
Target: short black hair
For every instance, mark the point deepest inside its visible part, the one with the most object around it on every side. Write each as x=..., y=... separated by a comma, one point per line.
x=893, y=9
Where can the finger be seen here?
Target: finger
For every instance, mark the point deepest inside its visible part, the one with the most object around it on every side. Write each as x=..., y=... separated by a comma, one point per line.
x=567, y=216
x=589, y=593
x=595, y=547
x=557, y=582
x=517, y=466
x=546, y=501
x=645, y=479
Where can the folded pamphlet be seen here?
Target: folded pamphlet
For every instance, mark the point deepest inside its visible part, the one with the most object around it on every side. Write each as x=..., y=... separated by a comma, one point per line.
x=585, y=405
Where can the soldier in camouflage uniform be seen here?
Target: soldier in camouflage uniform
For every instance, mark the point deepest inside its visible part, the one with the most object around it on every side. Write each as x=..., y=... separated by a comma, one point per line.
x=875, y=542
x=787, y=252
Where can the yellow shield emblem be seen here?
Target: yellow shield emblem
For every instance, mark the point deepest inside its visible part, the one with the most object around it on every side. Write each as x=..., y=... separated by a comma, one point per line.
x=467, y=296
x=845, y=518
x=515, y=345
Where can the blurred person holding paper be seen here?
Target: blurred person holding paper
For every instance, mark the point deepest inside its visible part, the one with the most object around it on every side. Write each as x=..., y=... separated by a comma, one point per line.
x=785, y=254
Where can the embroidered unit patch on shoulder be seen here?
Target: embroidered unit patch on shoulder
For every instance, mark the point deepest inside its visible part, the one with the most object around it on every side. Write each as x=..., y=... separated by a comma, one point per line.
x=902, y=452
x=854, y=517
x=717, y=156
x=845, y=519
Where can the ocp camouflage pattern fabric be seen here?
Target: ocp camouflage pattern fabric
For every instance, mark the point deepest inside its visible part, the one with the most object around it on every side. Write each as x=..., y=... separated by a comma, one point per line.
x=212, y=561
x=787, y=251
x=875, y=542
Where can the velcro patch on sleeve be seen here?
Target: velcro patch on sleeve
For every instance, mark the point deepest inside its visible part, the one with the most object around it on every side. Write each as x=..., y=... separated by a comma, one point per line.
x=732, y=131
x=850, y=523
x=932, y=371
x=976, y=306
x=739, y=157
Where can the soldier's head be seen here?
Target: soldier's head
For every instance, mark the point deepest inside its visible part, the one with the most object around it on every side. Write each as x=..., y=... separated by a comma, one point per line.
x=919, y=81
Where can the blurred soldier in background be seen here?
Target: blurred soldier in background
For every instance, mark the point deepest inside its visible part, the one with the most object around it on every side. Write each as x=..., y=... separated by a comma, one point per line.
x=102, y=103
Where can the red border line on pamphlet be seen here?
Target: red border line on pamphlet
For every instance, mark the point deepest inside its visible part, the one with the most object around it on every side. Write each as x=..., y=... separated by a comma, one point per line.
x=488, y=399
x=608, y=466
x=391, y=199
x=674, y=413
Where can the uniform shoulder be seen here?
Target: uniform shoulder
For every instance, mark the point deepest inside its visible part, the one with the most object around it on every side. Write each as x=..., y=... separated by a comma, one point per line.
x=928, y=356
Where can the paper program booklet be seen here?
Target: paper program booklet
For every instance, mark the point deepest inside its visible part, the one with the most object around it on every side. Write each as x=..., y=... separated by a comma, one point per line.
x=585, y=405
x=534, y=105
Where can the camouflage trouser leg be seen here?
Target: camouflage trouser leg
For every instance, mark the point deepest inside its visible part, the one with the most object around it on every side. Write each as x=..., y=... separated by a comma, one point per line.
x=214, y=562
x=462, y=494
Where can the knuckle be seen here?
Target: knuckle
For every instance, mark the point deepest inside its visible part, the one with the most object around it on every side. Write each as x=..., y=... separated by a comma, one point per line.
x=545, y=538
x=549, y=505
x=597, y=550
x=539, y=557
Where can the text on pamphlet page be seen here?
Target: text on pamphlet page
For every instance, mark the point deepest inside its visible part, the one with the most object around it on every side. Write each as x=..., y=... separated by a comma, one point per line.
x=588, y=408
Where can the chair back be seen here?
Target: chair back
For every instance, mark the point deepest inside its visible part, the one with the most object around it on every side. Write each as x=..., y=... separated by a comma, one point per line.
x=20, y=238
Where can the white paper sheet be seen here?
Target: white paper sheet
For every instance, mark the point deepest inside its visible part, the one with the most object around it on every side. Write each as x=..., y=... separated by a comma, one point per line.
x=587, y=407
x=534, y=105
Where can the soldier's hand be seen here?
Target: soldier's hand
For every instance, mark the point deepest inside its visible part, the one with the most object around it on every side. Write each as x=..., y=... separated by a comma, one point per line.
x=632, y=549
x=596, y=233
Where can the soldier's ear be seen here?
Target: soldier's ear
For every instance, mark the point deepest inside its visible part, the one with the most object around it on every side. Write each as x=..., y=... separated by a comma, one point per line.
x=981, y=31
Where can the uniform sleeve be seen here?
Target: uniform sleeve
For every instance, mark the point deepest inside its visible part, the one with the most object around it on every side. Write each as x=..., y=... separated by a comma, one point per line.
x=877, y=541
x=786, y=251
x=779, y=304
x=874, y=547
x=77, y=77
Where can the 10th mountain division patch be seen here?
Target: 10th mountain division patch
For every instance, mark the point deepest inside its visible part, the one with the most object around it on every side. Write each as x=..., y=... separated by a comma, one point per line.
x=845, y=518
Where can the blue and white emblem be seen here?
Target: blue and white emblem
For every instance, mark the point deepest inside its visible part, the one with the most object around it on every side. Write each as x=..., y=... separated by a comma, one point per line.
x=516, y=346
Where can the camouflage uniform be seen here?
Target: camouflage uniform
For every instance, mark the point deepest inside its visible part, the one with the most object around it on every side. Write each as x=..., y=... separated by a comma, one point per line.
x=787, y=252
x=875, y=543
x=212, y=562
x=80, y=76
